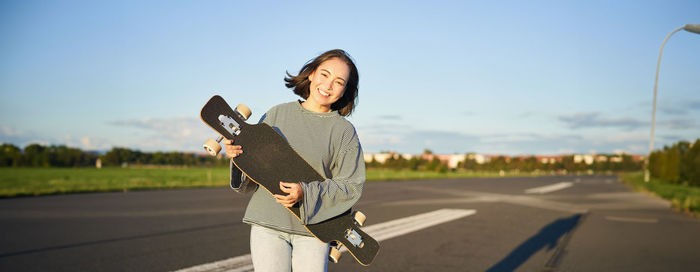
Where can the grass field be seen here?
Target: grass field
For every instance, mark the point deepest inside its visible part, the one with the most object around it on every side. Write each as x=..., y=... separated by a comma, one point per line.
x=43, y=181
x=683, y=198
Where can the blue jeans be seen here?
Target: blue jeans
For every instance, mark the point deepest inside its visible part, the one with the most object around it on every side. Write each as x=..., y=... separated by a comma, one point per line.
x=273, y=250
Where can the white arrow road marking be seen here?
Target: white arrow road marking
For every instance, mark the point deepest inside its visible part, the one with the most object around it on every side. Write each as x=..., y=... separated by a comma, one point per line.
x=380, y=232
x=549, y=188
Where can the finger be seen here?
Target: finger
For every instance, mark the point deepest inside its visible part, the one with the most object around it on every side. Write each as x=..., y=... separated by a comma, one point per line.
x=286, y=190
x=290, y=185
x=286, y=203
x=283, y=197
x=286, y=186
x=234, y=151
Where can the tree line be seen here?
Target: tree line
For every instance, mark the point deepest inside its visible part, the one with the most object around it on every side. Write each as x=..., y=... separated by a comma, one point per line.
x=518, y=164
x=415, y=163
x=36, y=155
x=678, y=163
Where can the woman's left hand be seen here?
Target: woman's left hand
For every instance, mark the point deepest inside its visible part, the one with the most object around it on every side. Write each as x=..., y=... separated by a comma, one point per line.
x=294, y=194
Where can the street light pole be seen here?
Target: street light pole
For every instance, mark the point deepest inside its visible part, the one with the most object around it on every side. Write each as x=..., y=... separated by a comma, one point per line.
x=695, y=28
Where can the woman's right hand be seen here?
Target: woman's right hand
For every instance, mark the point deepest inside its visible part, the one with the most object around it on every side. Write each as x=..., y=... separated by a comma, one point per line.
x=232, y=151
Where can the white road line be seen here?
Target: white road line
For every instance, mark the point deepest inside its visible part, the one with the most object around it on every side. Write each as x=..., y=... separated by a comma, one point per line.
x=380, y=232
x=398, y=227
x=632, y=219
x=549, y=188
x=238, y=264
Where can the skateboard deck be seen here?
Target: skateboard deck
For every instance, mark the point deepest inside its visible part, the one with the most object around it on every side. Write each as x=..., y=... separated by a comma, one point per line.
x=269, y=159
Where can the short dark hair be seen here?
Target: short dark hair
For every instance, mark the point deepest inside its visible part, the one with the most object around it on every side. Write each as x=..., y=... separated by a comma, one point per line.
x=300, y=83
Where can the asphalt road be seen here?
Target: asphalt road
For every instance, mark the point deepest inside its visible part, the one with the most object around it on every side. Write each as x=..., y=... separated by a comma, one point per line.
x=594, y=223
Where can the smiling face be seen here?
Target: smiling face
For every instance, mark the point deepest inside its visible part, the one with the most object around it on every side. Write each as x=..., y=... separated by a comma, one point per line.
x=327, y=85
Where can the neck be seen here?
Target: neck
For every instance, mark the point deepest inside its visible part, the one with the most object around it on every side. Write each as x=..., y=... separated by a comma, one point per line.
x=315, y=107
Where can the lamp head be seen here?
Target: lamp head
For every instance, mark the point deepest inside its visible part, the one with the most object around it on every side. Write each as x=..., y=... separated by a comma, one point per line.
x=695, y=28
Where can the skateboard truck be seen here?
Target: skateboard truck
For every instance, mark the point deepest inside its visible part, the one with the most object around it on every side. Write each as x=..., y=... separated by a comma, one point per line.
x=351, y=235
x=230, y=125
x=213, y=147
x=354, y=238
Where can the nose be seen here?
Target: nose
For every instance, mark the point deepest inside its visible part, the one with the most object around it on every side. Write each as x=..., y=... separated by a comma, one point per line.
x=327, y=84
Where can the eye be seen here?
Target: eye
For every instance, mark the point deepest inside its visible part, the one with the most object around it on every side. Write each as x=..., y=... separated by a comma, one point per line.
x=340, y=83
x=324, y=74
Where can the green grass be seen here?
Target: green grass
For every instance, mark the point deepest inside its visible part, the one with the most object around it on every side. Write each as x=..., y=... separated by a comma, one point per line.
x=43, y=181
x=683, y=198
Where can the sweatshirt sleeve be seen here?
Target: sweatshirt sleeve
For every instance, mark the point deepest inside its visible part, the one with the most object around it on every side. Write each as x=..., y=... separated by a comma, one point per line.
x=331, y=197
x=240, y=182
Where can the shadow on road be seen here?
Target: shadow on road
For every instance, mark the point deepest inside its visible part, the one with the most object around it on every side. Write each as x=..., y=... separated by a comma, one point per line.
x=548, y=237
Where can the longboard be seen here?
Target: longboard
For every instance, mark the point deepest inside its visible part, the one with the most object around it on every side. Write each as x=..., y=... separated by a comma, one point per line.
x=269, y=159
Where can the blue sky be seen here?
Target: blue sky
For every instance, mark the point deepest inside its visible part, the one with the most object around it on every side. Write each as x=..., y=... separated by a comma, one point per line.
x=509, y=77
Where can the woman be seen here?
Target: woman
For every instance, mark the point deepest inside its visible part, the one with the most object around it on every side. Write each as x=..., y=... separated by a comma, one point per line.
x=317, y=130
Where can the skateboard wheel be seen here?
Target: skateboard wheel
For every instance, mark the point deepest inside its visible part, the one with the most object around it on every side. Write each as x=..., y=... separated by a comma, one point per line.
x=334, y=255
x=244, y=111
x=212, y=147
x=360, y=218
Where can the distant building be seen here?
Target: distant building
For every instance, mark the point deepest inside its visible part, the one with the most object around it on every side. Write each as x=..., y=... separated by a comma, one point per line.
x=638, y=158
x=382, y=157
x=453, y=161
x=450, y=160
x=480, y=159
x=588, y=159
x=490, y=158
x=549, y=159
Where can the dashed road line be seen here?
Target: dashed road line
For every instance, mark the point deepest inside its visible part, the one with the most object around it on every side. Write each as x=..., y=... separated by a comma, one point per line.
x=549, y=188
x=475, y=197
x=632, y=219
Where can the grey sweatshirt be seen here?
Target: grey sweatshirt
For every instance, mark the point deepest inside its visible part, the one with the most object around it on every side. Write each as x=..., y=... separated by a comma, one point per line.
x=329, y=143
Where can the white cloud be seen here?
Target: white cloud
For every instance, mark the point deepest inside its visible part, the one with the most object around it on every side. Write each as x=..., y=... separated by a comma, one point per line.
x=620, y=137
x=511, y=138
x=169, y=133
x=376, y=138
x=595, y=120
x=8, y=132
